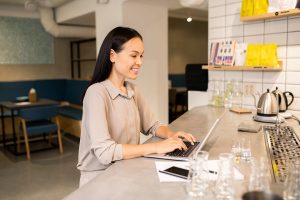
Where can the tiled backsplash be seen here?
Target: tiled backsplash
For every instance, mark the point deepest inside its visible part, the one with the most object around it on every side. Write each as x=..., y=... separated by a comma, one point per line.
x=224, y=24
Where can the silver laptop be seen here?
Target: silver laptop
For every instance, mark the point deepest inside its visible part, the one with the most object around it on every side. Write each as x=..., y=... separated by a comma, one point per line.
x=185, y=155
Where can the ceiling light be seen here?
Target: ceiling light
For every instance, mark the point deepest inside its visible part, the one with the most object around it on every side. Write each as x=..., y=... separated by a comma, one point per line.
x=189, y=19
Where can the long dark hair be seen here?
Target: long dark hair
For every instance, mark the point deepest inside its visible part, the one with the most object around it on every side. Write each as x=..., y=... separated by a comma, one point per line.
x=114, y=40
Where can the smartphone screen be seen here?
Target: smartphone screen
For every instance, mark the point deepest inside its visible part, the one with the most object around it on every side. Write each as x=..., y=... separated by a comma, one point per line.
x=176, y=171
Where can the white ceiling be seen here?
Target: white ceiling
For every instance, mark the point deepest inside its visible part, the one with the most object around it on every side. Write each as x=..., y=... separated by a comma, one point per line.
x=174, y=6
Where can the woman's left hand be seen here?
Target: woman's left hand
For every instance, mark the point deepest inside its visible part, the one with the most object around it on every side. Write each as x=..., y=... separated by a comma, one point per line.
x=183, y=135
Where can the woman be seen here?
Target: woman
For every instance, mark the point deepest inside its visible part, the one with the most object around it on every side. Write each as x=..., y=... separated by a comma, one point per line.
x=114, y=113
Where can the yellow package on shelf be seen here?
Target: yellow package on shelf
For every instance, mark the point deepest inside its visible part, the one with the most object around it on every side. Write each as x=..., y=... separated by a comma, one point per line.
x=268, y=56
x=253, y=55
x=261, y=55
x=247, y=8
x=260, y=7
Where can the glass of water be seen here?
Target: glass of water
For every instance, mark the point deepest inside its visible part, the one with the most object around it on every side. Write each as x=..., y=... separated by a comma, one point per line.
x=246, y=154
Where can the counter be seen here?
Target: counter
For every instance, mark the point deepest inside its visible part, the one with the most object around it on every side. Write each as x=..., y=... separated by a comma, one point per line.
x=137, y=178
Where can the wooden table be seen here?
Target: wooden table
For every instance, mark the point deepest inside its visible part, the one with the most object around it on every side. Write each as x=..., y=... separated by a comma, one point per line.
x=15, y=106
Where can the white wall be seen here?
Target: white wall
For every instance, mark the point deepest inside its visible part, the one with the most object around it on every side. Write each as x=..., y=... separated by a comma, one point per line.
x=224, y=23
x=152, y=23
x=61, y=68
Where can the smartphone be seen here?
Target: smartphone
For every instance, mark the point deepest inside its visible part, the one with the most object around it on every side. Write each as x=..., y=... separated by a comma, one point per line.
x=176, y=171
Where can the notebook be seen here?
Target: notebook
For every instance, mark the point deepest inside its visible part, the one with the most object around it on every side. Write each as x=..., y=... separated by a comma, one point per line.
x=185, y=155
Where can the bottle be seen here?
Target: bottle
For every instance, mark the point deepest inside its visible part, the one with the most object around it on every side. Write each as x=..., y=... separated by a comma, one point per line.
x=32, y=96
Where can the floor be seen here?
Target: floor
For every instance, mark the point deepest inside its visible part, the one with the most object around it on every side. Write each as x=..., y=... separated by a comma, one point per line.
x=48, y=176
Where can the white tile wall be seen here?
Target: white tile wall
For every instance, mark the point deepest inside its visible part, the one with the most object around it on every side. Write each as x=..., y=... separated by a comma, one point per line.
x=295, y=89
x=278, y=38
x=234, y=31
x=293, y=51
x=294, y=24
x=254, y=28
x=213, y=3
x=281, y=52
x=294, y=38
x=233, y=20
x=293, y=64
x=278, y=26
x=233, y=8
x=274, y=77
x=283, y=31
x=216, y=22
x=217, y=33
x=254, y=39
x=216, y=12
x=293, y=78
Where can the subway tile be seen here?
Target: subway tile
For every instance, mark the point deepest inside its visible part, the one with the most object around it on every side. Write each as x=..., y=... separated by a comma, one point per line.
x=292, y=77
x=216, y=22
x=293, y=64
x=216, y=75
x=233, y=8
x=234, y=31
x=253, y=29
x=294, y=24
x=255, y=77
x=234, y=75
x=281, y=52
x=216, y=12
x=294, y=38
x=278, y=38
x=237, y=39
x=274, y=77
x=273, y=86
x=283, y=64
x=293, y=51
x=232, y=1
x=295, y=89
x=213, y=3
x=276, y=26
x=217, y=33
x=232, y=20
x=254, y=39
x=295, y=105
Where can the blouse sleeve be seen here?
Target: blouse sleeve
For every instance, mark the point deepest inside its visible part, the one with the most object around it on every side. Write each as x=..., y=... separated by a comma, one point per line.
x=102, y=145
x=149, y=123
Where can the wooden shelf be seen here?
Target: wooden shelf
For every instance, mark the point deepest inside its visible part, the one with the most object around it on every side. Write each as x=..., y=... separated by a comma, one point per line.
x=245, y=68
x=273, y=15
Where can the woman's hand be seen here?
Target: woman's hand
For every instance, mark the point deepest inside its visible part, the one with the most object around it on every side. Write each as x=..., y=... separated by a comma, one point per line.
x=183, y=135
x=169, y=145
x=175, y=142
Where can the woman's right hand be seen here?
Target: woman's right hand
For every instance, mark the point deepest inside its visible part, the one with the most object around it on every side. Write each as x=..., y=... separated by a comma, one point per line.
x=169, y=145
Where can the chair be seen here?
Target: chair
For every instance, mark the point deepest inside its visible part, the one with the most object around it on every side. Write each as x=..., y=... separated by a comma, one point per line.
x=36, y=121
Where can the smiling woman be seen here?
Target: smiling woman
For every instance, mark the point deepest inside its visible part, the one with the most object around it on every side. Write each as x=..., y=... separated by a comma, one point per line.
x=114, y=113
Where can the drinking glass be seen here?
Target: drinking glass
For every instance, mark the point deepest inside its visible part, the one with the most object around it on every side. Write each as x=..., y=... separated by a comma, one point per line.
x=246, y=149
x=259, y=179
x=236, y=149
x=217, y=97
x=224, y=189
x=197, y=183
x=292, y=182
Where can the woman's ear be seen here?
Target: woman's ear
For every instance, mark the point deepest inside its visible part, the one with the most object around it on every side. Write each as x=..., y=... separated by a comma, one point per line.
x=112, y=56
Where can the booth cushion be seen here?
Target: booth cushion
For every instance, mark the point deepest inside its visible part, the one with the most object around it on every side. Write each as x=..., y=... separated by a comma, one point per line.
x=70, y=112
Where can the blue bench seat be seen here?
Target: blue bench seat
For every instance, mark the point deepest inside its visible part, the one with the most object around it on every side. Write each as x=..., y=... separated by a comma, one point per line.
x=71, y=112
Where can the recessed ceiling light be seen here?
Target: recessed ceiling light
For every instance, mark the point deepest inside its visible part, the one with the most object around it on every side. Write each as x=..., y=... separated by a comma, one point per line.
x=189, y=19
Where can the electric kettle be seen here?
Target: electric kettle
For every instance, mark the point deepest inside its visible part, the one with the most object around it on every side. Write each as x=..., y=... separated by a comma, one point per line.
x=267, y=104
x=283, y=100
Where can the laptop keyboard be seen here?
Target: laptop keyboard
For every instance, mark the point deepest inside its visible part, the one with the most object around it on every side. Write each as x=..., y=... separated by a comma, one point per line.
x=184, y=153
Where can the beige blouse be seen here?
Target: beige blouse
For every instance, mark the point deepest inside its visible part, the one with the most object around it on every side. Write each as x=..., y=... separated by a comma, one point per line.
x=111, y=118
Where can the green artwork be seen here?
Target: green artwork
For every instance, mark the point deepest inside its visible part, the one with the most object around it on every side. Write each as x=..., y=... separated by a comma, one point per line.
x=24, y=41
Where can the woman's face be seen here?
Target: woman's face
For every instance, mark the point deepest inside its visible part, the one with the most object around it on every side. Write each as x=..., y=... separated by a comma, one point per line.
x=127, y=63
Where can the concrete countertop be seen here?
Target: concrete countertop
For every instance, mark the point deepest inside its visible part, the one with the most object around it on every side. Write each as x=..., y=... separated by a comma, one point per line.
x=137, y=178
